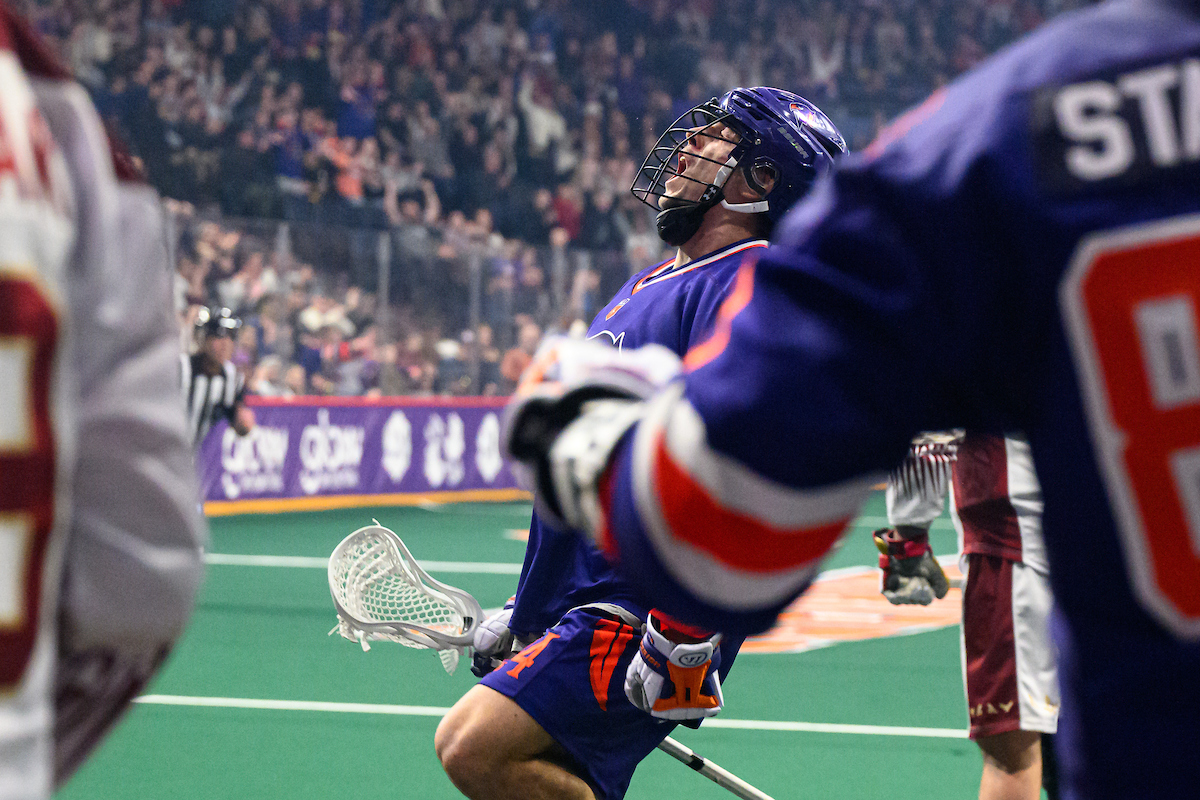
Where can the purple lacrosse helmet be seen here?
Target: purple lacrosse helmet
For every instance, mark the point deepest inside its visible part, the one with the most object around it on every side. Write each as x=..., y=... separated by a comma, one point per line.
x=780, y=135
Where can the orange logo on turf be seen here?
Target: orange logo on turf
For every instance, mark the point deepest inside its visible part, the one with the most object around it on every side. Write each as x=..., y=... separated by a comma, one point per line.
x=848, y=607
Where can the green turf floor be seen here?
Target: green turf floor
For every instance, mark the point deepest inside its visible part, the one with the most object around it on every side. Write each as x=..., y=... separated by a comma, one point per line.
x=260, y=633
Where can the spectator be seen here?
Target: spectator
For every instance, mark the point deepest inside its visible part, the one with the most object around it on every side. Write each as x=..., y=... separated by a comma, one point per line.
x=295, y=381
x=268, y=380
x=518, y=358
x=453, y=372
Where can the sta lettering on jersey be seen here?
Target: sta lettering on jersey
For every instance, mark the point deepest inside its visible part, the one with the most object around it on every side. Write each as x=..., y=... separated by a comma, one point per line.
x=1122, y=128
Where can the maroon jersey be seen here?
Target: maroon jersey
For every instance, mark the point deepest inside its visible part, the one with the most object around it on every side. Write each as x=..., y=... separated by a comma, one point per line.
x=997, y=502
x=997, y=499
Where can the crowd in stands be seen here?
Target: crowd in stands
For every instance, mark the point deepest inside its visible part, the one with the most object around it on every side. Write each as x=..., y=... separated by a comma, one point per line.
x=309, y=331
x=476, y=146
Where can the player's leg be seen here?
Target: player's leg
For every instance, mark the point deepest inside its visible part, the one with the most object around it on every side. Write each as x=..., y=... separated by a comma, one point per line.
x=554, y=719
x=1009, y=671
x=1012, y=766
x=493, y=750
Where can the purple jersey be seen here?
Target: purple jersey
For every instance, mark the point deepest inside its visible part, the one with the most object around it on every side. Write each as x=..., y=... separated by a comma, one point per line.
x=667, y=305
x=1021, y=252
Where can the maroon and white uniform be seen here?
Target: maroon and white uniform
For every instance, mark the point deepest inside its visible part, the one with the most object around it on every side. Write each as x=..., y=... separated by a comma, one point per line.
x=1008, y=660
x=99, y=536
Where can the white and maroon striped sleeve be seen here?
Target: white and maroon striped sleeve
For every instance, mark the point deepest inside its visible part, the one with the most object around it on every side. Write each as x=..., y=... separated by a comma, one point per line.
x=917, y=489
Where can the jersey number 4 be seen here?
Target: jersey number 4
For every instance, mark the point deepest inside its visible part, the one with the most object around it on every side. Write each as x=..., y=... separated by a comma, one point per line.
x=1131, y=299
x=28, y=338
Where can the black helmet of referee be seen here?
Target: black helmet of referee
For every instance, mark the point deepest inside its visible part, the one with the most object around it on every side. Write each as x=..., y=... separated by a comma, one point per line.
x=217, y=322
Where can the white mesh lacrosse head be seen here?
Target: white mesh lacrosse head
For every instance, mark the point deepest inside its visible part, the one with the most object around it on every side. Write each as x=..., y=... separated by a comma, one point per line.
x=382, y=594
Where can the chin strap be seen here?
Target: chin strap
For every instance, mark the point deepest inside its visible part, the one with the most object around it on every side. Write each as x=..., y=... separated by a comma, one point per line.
x=747, y=208
x=678, y=224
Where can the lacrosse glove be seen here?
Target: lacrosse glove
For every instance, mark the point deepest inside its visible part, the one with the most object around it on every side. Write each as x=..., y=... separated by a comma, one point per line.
x=574, y=404
x=675, y=680
x=911, y=575
x=494, y=641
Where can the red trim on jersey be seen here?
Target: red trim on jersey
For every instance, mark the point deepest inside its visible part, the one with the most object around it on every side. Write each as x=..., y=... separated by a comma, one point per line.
x=733, y=538
x=603, y=539
x=374, y=402
x=668, y=626
x=738, y=299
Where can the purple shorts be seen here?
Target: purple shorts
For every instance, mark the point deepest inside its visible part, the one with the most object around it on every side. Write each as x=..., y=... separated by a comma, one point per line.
x=571, y=681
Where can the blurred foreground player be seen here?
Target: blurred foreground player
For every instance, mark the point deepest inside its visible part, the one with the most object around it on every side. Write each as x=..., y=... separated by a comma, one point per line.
x=98, y=529
x=212, y=385
x=1009, y=668
x=1036, y=225
x=573, y=713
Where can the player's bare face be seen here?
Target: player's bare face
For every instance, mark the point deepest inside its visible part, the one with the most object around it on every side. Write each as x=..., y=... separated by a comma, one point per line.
x=702, y=156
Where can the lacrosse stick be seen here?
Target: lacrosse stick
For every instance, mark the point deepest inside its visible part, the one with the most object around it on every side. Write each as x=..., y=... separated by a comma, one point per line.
x=718, y=775
x=381, y=594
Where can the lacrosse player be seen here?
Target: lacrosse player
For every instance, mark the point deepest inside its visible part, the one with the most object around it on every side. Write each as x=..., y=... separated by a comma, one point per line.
x=1021, y=252
x=98, y=525
x=1009, y=667
x=593, y=677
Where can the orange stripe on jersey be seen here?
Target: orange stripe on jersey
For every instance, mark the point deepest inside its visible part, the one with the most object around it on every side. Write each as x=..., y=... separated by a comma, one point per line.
x=735, y=539
x=608, y=643
x=637, y=287
x=905, y=123
x=739, y=298
x=664, y=273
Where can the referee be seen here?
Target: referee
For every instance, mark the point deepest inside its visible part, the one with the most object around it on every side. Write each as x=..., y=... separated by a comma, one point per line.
x=210, y=382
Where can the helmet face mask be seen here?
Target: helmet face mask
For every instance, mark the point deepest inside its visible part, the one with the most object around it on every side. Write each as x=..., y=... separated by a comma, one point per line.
x=697, y=131
x=779, y=141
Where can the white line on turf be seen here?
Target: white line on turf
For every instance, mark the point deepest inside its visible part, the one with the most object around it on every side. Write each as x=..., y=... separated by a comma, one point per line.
x=310, y=562
x=437, y=711
x=478, y=567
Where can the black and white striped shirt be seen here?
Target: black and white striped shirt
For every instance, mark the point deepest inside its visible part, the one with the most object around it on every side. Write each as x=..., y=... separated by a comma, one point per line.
x=209, y=397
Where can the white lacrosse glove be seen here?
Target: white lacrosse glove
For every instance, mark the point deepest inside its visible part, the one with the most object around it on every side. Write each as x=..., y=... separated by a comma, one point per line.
x=675, y=680
x=573, y=405
x=493, y=641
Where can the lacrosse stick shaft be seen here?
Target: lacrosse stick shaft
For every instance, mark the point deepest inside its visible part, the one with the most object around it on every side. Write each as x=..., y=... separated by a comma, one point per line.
x=718, y=775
